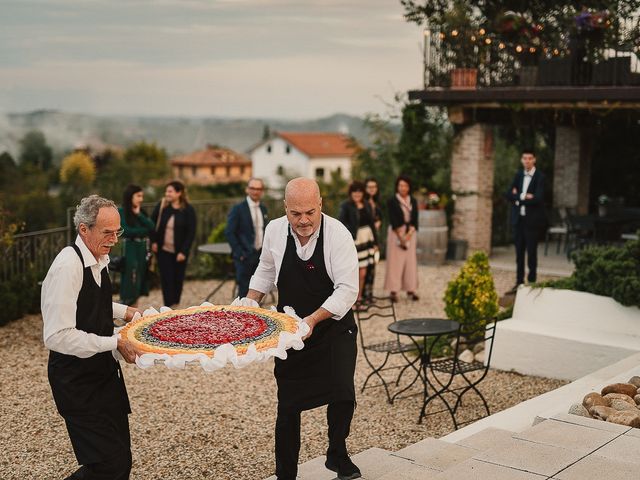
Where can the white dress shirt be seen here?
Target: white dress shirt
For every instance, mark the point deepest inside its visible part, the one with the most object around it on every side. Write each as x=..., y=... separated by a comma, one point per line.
x=258, y=222
x=340, y=259
x=526, y=181
x=60, y=291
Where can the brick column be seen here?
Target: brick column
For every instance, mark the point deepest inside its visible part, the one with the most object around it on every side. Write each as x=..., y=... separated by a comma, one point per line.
x=472, y=182
x=572, y=169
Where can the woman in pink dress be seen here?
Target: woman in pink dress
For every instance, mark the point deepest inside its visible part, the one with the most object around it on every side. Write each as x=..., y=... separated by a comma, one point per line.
x=402, y=261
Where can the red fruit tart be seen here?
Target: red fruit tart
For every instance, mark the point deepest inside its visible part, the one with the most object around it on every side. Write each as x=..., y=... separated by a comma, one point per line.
x=201, y=330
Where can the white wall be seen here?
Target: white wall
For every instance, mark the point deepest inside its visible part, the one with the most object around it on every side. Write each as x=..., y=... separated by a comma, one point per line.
x=329, y=165
x=265, y=164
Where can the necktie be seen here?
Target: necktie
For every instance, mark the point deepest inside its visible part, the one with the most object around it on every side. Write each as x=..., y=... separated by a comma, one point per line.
x=257, y=226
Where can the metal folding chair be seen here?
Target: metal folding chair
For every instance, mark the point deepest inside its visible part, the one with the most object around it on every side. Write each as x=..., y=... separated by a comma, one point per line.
x=377, y=355
x=471, y=373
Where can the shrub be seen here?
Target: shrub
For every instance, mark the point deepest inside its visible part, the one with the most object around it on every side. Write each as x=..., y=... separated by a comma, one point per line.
x=20, y=296
x=610, y=271
x=471, y=297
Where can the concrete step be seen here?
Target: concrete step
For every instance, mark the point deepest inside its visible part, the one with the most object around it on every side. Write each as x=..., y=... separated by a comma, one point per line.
x=436, y=454
x=374, y=463
x=486, y=439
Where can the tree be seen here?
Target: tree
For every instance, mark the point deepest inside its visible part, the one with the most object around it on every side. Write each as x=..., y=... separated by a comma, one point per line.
x=8, y=171
x=379, y=160
x=147, y=162
x=425, y=146
x=35, y=151
x=78, y=170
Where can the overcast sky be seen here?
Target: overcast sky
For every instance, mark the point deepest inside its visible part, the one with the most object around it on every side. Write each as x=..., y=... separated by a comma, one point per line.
x=237, y=58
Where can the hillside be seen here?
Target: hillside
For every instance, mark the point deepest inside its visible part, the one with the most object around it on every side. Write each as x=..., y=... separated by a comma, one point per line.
x=65, y=130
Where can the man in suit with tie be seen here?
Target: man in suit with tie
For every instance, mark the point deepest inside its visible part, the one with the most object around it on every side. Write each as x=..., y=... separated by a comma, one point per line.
x=528, y=218
x=245, y=230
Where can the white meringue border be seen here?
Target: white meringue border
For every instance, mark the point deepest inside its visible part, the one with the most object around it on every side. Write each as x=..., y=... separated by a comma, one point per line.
x=226, y=353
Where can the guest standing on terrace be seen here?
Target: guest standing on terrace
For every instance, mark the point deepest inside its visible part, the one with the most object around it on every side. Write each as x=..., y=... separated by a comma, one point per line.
x=175, y=221
x=372, y=197
x=244, y=232
x=137, y=227
x=402, y=260
x=357, y=216
x=526, y=195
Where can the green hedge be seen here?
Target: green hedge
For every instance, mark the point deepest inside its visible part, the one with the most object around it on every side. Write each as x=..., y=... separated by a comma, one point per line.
x=20, y=296
x=605, y=270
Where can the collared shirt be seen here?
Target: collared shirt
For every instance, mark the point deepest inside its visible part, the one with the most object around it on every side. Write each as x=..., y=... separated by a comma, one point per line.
x=258, y=222
x=340, y=259
x=526, y=181
x=60, y=291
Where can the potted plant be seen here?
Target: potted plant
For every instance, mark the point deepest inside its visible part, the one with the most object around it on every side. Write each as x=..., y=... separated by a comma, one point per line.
x=471, y=297
x=603, y=205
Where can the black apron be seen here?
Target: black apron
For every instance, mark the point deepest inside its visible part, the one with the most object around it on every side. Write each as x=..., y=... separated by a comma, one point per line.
x=322, y=372
x=84, y=387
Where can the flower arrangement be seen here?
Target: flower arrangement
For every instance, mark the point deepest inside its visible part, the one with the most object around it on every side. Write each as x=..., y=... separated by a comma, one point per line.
x=592, y=21
x=431, y=200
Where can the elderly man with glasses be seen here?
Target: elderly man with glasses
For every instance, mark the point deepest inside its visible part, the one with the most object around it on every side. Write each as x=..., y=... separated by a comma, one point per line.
x=86, y=380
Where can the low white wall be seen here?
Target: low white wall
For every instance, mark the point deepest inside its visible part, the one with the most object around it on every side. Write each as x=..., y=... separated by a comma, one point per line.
x=565, y=334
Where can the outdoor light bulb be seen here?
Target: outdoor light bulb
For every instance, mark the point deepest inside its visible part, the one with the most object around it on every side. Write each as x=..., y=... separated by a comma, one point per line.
x=426, y=33
x=482, y=31
x=442, y=36
x=519, y=49
x=473, y=38
x=532, y=49
x=487, y=41
x=454, y=33
x=501, y=46
x=555, y=51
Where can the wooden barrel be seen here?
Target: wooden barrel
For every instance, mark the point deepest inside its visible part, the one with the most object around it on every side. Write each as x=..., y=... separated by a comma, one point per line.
x=432, y=237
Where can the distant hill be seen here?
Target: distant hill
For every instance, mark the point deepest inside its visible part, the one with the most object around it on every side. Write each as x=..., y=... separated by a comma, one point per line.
x=176, y=134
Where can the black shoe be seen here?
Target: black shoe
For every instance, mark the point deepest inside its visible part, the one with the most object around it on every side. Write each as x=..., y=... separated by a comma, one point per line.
x=344, y=467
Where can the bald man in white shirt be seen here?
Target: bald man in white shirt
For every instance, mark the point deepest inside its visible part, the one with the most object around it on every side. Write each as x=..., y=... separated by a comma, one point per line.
x=312, y=260
x=85, y=378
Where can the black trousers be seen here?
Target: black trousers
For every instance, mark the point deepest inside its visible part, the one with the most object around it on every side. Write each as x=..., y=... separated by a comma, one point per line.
x=339, y=417
x=171, y=277
x=244, y=270
x=526, y=241
x=102, y=445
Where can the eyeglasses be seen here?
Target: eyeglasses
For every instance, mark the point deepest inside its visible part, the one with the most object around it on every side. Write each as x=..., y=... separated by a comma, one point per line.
x=109, y=233
x=258, y=189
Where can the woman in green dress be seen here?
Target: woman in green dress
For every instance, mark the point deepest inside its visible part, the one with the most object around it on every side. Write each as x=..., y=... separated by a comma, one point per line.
x=134, y=281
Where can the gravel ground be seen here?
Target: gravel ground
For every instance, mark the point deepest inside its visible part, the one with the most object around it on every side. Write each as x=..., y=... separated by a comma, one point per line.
x=195, y=425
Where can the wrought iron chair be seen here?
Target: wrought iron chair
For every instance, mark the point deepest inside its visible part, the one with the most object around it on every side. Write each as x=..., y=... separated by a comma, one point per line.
x=557, y=229
x=377, y=355
x=470, y=372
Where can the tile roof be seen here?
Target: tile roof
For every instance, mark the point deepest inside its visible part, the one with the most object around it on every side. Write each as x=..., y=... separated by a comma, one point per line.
x=320, y=144
x=211, y=156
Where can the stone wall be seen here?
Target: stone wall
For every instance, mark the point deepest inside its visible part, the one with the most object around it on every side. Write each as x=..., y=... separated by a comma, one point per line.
x=572, y=169
x=472, y=182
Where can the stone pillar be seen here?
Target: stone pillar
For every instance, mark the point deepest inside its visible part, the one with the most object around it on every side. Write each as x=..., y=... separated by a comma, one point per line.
x=472, y=182
x=572, y=169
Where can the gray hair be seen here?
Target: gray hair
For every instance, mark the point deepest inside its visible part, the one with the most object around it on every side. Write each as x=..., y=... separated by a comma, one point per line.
x=87, y=211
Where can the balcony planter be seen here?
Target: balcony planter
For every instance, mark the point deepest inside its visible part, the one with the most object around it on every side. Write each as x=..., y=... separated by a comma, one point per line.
x=464, y=78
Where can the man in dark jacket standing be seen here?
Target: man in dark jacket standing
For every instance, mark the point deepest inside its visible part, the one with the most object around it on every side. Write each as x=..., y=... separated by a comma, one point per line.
x=245, y=230
x=85, y=378
x=526, y=195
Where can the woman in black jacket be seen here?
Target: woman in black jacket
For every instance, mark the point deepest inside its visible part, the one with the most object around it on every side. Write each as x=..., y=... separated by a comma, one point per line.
x=372, y=198
x=357, y=216
x=402, y=260
x=175, y=221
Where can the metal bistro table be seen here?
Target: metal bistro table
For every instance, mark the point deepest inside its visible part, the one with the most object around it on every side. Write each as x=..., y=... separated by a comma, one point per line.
x=426, y=328
x=218, y=249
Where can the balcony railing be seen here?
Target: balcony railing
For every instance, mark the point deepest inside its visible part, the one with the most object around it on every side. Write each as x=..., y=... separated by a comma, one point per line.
x=476, y=59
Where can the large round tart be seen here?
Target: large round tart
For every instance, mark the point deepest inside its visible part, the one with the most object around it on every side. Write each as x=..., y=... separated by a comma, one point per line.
x=203, y=329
